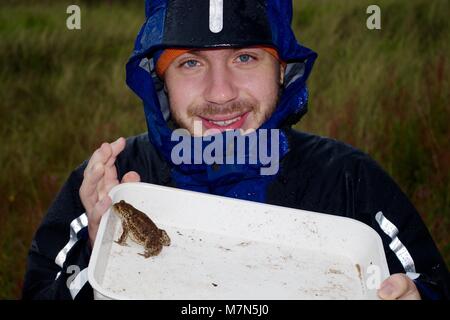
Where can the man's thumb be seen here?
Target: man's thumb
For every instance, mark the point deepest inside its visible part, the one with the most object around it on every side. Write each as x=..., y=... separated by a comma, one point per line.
x=387, y=290
x=131, y=176
x=394, y=287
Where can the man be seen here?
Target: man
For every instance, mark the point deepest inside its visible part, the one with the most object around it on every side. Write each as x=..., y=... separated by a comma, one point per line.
x=209, y=69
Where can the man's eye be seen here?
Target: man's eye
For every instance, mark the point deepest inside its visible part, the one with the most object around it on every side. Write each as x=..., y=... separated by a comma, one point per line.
x=190, y=63
x=244, y=58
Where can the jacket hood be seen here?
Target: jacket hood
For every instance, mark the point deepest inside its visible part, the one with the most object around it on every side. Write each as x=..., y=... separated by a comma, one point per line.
x=231, y=23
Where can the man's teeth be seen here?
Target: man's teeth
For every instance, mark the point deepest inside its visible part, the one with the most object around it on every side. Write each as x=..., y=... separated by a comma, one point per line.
x=225, y=123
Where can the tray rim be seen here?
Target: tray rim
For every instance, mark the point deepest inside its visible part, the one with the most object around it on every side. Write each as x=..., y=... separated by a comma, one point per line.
x=95, y=251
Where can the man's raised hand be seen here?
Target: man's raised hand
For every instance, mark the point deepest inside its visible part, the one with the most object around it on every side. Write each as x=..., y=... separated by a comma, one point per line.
x=100, y=176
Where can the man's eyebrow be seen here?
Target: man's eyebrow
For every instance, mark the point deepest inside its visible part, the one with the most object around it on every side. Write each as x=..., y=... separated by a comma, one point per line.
x=199, y=52
x=194, y=52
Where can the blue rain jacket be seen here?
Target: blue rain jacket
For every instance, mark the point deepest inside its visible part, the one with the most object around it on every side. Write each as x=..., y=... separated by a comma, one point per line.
x=242, y=181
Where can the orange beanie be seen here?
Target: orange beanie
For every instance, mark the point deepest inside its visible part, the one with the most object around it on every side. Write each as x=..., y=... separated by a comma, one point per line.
x=169, y=55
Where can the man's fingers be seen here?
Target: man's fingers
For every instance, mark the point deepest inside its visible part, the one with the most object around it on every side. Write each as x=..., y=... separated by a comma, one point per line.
x=108, y=183
x=104, y=189
x=393, y=287
x=105, y=156
x=100, y=176
x=397, y=286
x=116, y=148
x=387, y=292
x=100, y=208
x=411, y=295
x=111, y=171
x=412, y=292
x=131, y=176
x=94, y=219
x=92, y=178
x=107, y=153
x=88, y=188
x=101, y=155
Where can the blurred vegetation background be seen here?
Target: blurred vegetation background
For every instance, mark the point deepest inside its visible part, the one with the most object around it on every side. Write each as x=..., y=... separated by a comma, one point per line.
x=63, y=92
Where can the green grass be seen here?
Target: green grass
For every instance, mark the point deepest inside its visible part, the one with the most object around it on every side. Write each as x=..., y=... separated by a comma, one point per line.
x=63, y=92
x=387, y=93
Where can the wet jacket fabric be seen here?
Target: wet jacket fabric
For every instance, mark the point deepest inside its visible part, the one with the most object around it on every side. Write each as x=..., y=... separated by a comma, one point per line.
x=318, y=174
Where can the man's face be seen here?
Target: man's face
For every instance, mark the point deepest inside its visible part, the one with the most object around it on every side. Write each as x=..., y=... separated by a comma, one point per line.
x=223, y=88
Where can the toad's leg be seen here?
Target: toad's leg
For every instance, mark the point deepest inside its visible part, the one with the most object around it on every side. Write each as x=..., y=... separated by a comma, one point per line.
x=151, y=249
x=123, y=238
x=164, y=239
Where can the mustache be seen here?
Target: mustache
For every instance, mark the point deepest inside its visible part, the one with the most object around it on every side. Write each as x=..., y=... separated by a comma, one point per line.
x=209, y=109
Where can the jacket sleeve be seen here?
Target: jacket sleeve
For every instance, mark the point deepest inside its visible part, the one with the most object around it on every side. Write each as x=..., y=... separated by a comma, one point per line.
x=408, y=245
x=60, y=251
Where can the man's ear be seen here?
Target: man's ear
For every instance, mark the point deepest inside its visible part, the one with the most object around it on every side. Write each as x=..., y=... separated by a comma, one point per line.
x=165, y=87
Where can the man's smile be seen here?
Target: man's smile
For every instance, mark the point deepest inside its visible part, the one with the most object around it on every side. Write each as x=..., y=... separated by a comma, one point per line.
x=225, y=122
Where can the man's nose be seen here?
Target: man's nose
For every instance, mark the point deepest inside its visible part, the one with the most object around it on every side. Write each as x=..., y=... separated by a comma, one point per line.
x=221, y=87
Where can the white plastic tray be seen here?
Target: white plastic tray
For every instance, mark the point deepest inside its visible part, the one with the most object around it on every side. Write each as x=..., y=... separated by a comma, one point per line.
x=224, y=248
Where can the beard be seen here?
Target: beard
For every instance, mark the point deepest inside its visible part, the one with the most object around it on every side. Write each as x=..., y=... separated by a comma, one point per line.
x=236, y=107
x=206, y=110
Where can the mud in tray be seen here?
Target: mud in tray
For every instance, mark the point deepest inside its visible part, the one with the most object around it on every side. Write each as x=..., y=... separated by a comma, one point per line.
x=224, y=248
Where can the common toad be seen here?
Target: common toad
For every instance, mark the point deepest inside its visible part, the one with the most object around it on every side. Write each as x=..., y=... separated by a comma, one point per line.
x=141, y=229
